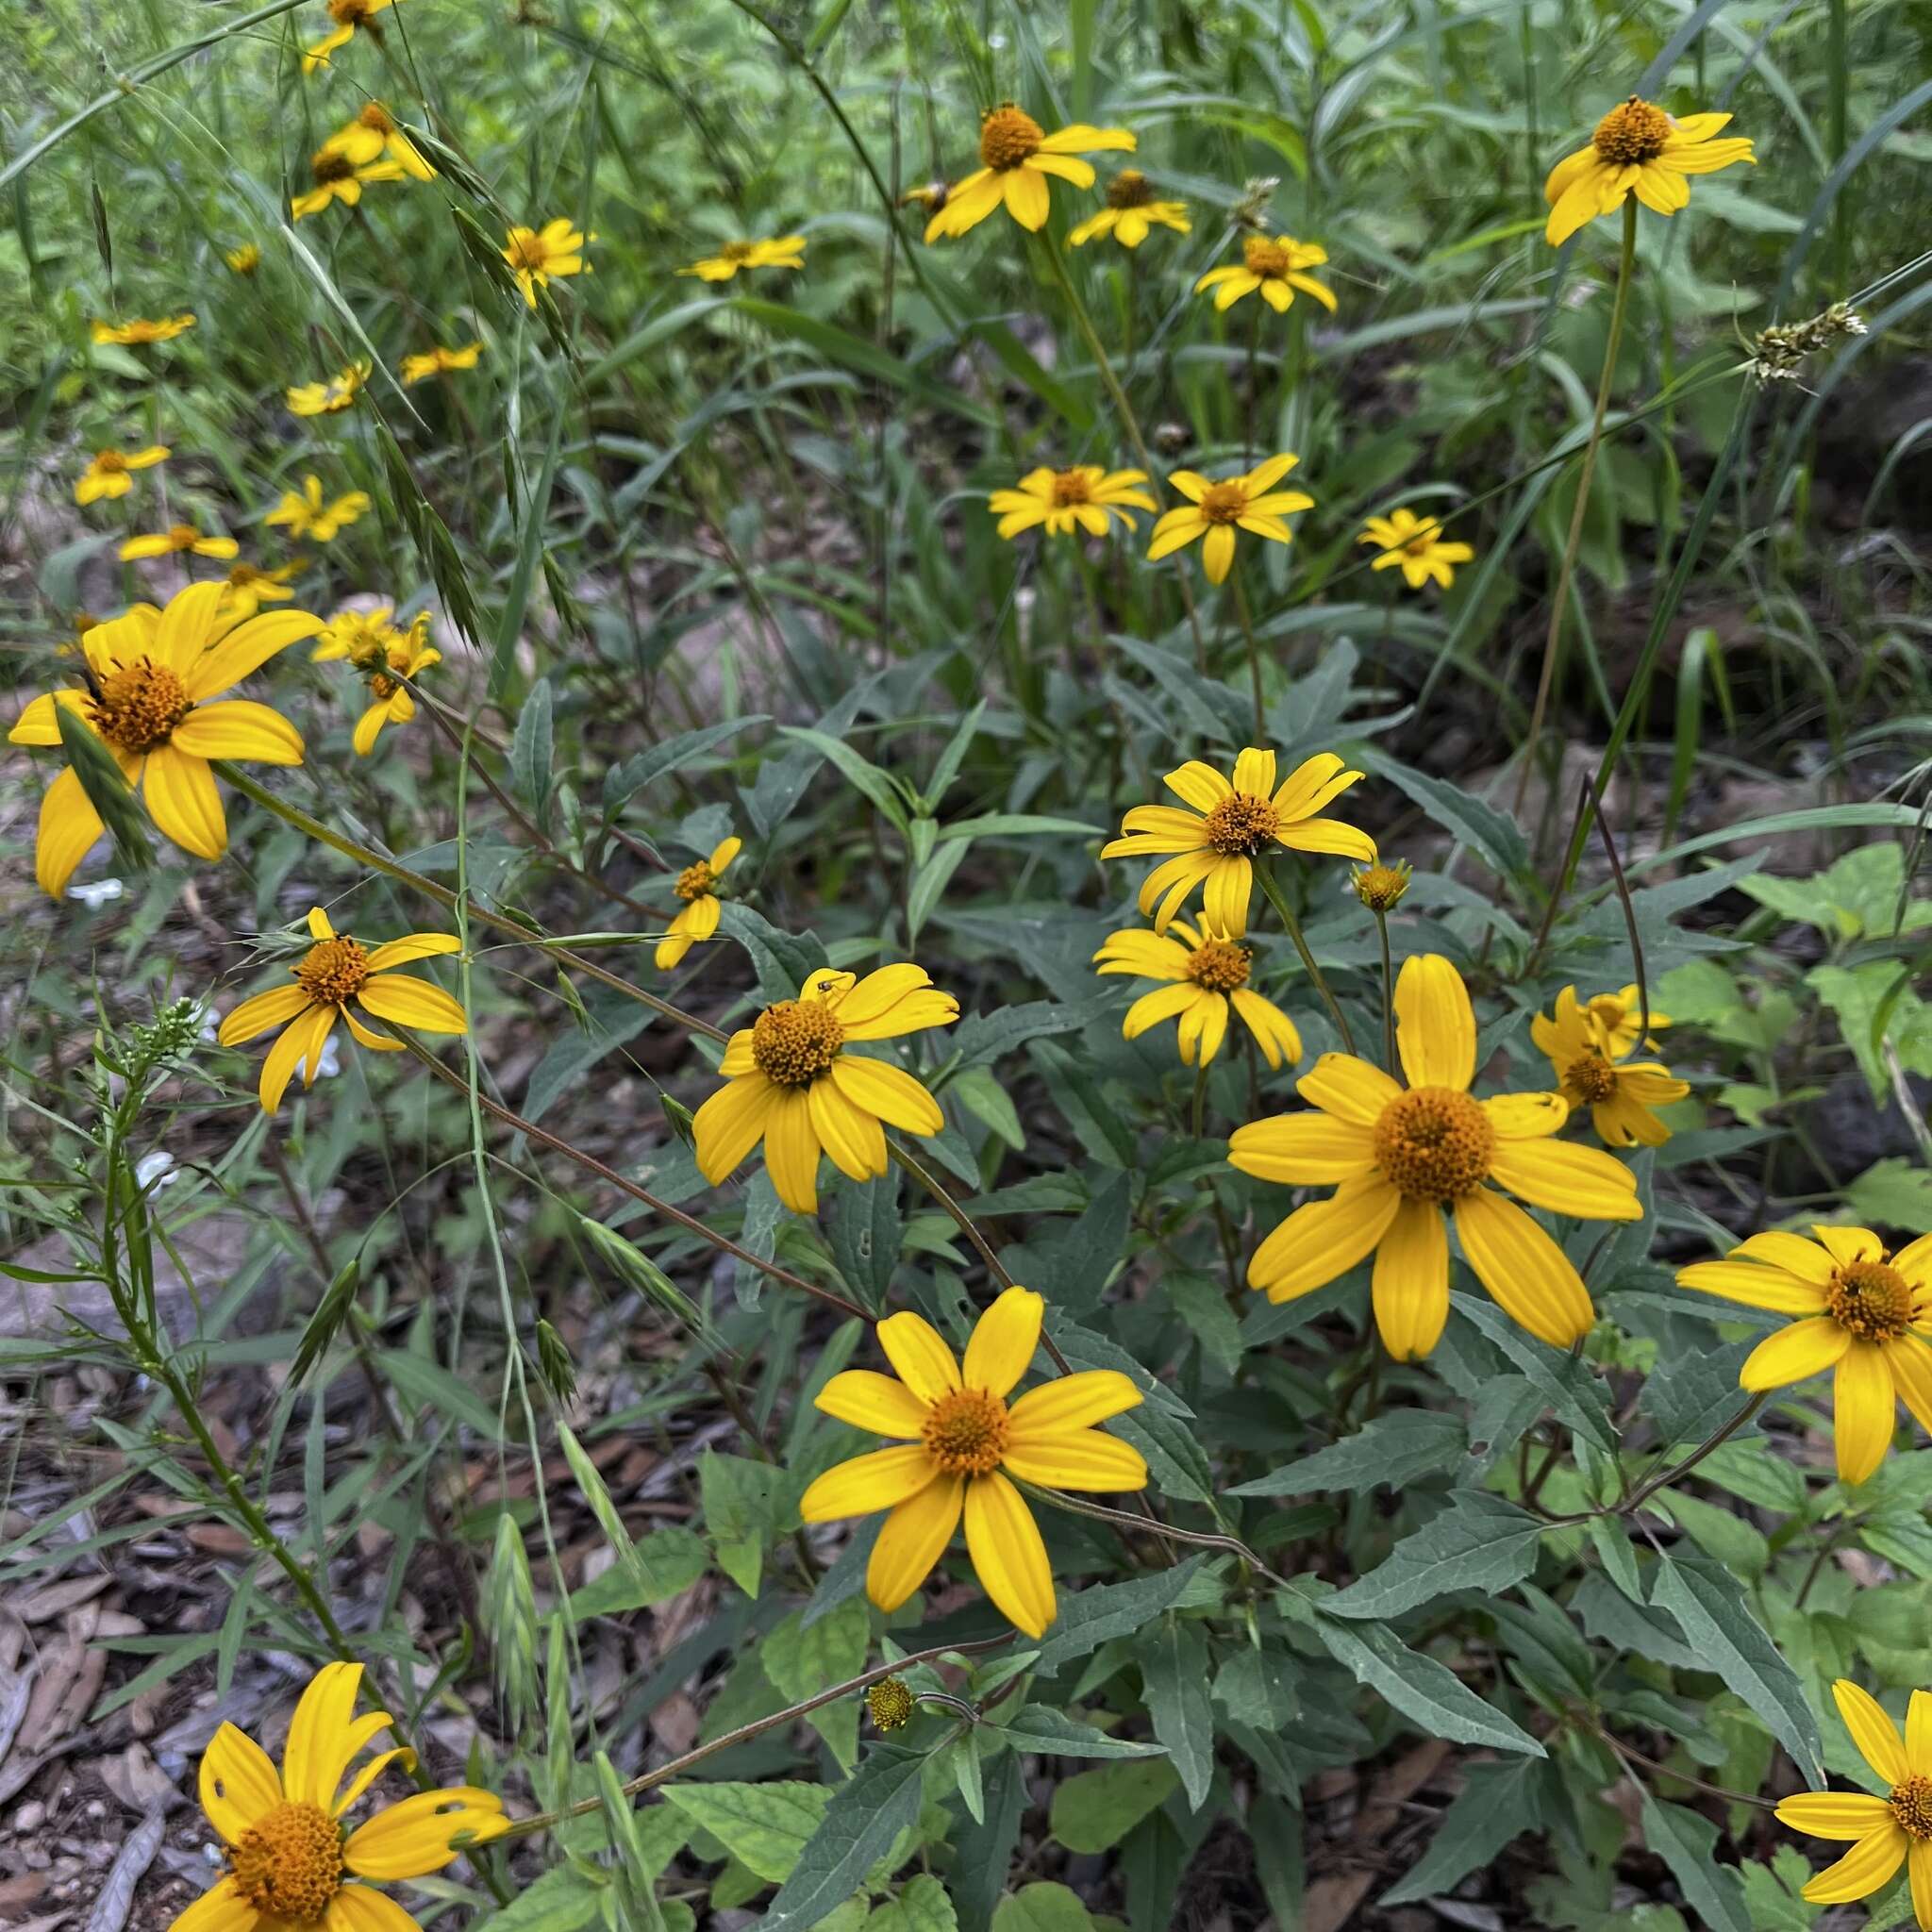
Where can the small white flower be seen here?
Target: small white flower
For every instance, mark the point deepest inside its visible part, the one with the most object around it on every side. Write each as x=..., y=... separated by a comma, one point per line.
x=155, y=1170
x=96, y=892
x=331, y=1061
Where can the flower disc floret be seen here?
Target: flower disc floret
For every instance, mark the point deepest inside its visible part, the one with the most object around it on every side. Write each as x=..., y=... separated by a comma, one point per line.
x=1224, y=502
x=1435, y=1145
x=1220, y=965
x=1070, y=486
x=965, y=1432
x=1633, y=133
x=1911, y=1805
x=290, y=1866
x=694, y=881
x=1242, y=824
x=1007, y=136
x=1591, y=1078
x=1873, y=1301
x=890, y=1703
x=795, y=1042
x=333, y=972
x=140, y=706
x=1128, y=189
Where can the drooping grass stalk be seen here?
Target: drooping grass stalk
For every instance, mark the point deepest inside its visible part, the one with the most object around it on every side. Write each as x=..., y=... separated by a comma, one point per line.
x=1285, y=912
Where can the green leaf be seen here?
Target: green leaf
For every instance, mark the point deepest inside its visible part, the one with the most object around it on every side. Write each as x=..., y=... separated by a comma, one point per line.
x=1042, y=1908
x=858, y=769
x=1893, y=1194
x=533, y=750
x=623, y=782
x=1389, y=1453
x=767, y=1825
x=1173, y=1678
x=1089, y=1617
x=561, y=1900
x=1685, y=1840
x=1478, y=1541
x=986, y=1847
x=867, y=357
x=429, y=1385
x=1429, y=1694
x=510, y=623
x=1575, y=1395
x=920, y=1906
x=1053, y=1734
x=1494, y=837
x=1497, y=1803
x=663, y=1563
x=1093, y=1810
x=802, y=1660
x=864, y=1816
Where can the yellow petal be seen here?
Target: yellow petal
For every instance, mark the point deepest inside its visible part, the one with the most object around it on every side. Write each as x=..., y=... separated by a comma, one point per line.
x=413, y=946
x=1302, y=1150
x=220, y=1909
x=869, y=1400
x=1792, y=1253
x=1873, y=1732
x=791, y=1151
x=1004, y=1341
x=1757, y=1288
x=183, y=801
x=1526, y=1274
x=1323, y=1239
x=919, y=1355
x=69, y=828
x=1435, y=1024
x=886, y=1093
x=1864, y=1411
x=362, y=1909
x=412, y=1837
x=411, y=1002
x=1794, y=1353
x=1526, y=1116
x=239, y=729
x=882, y=1481
x=1919, y=1862
x=253, y=1017
x=1348, y=1088
x=1848, y=1244
x=187, y=624
x=311, y=1759
x=1007, y=1555
x=239, y=1784
x=1080, y=1459
x=1070, y=1402
x=1835, y=1814
x=1410, y=1283
x=1868, y=1864
x=1919, y=1732
x=910, y=1540
x=297, y=1043
x=1584, y=1182
x=849, y=1134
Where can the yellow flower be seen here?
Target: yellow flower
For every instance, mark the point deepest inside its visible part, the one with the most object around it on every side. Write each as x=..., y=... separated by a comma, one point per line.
x=1637, y=149
x=1619, y=1097
x=1083, y=497
x=1862, y=1312
x=244, y=261
x=1274, y=264
x=538, y=256
x=1206, y=970
x=790, y=1081
x=782, y=251
x=1403, y=1158
x=438, y=362
x=363, y=637
x=249, y=589
x=1886, y=1832
x=1620, y=1016
x=697, y=886
x=106, y=475
x=959, y=1439
x=151, y=675
x=335, y=971
x=347, y=15
x=1216, y=510
x=1382, y=886
x=1130, y=209
x=1018, y=156
x=331, y=397
x=407, y=656
x=139, y=330
x=1226, y=827
x=289, y=1863
x=1414, y=544
x=176, y=541
x=374, y=134
x=338, y=179
x=305, y=513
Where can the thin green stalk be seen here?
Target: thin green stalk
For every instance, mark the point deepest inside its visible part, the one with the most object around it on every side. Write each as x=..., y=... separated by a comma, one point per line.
x=1388, y=993
x=1247, y=623
x=1285, y=912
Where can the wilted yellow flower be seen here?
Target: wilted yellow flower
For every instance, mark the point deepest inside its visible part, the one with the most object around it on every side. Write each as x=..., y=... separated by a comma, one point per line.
x=782, y=251
x=249, y=589
x=1214, y=511
x=347, y=15
x=1017, y=157
x=288, y=1861
x=305, y=513
x=1637, y=149
x=244, y=261
x=1208, y=970
x=1130, y=211
x=331, y=397
x=1084, y=498
x=1274, y=264
x=374, y=134
x=959, y=1440
x=1860, y=1311
x=1620, y=1096
x=106, y=475
x=1402, y=1159
x=409, y=655
x=334, y=972
x=177, y=539
x=538, y=256
x=1414, y=544
x=438, y=362
x=140, y=330
x=152, y=674
x=790, y=1082
x=697, y=886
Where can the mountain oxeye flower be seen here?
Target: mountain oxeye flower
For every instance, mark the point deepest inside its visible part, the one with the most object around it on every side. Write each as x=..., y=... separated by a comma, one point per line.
x=244, y=261
x=538, y=256
x=780, y=251
x=1277, y=265
x=249, y=589
x=1592, y=1073
x=1085, y=497
x=107, y=475
x=178, y=540
x=697, y=886
x=1637, y=149
x=1214, y=511
x=373, y=135
x=1403, y=1159
x=438, y=362
x=151, y=676
x=142, y=330
x=1131, y=210
x=347, y=15
x=1414, y=545
x=791, y=1082
x=1227, y=825
x=308, y=515
x=960, y=1440
x=1017, y=158
x=1207, y=971
x=338, y=178
x=331, y=397
x=409, y=653
x=1859, y=1311
x=289, y=1863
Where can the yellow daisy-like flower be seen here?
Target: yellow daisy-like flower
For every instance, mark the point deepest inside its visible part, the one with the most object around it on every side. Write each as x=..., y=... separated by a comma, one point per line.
x=1227, y=825
x=307, y=514
x=178, y=540
x=373, y=135
x=790, y=1082
x=244, y=261
x=959, y=1439
x=538, y=256
x=331, y=397
x=1860, y=1311
x=438, y=362
x=289, y=1863
x=697, y=886
x=1619, y=1097
x=363, y=637
x=106, y=475
x=338, y=178
x=1414, y=545
x=1085, y=497
x=1018, y=156
x=348, y=16
x=1637, y=149
x=407, y=656
x=1216, y=510
x=249, y=589
x=1886, y=1832
x=1130, y=211
x=140, y=330
x=1403, y=1158
x=780, y=251
x=1275, y=264
x=335, y=971
x=1620, y=1016
x=1206, y=971
x=152, y=674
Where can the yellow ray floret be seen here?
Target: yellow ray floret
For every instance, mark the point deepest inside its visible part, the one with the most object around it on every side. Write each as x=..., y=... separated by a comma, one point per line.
x=1206, y=973
x=777, y=251
x=438, y=362
x=697, y=886
x=1637, y=149
x=308, y=514
x=1085, y=497
x=1277, y=265
x=537, y=257
x=106, y=475
x=1130, y=212
x=1018, y=158
x=1414, y=545
x=141, y=330
x=1214, y=511
x=1590, y=1072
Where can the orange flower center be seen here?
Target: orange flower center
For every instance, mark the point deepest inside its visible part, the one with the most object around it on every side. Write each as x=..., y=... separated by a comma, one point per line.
x=1875, y=1301
x=328, y=166
x=290, y=1866
x=111, y=462
x=735, y=251
x=1424, y=540
x=182, y=536
x=352, y=14
x=1433, y=1144
x=694, y=881
x=1380, y=887
x=1242, y=822
x=1266, y=255
x=1223, y=503
x=1632, y=134
x=332, y=974
x=1009, y=136
x=527, y=249
x=965, y=1432
x=795, y=1042
x=1128, y=189
x=1590, y=1079
x=1070, y=486
x=1220, y=965
x=375, y=117
x=1911, y=1805
x=140, y=705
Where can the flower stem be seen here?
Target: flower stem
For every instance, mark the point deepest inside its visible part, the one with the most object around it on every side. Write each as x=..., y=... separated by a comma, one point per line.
x=1388, y=994
x=1247, y=622
x=1285, y=912
x=1627, y=260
